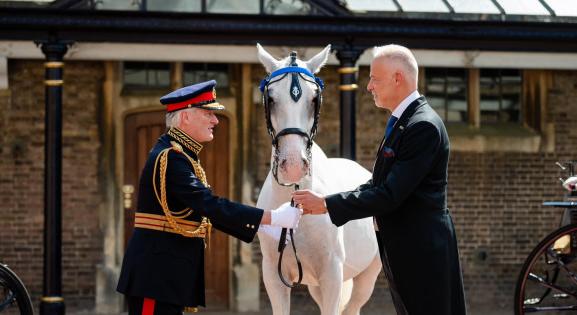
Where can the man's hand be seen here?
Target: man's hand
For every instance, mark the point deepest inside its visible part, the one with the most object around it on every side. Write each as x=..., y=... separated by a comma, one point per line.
x=312, y=202
x=285, y=216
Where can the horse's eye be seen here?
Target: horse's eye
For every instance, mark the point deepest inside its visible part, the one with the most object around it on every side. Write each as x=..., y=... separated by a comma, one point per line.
x=269, y=100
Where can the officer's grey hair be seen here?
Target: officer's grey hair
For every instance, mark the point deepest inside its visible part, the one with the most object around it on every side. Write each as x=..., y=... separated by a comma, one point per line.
x=402, y=55
x=173, y=118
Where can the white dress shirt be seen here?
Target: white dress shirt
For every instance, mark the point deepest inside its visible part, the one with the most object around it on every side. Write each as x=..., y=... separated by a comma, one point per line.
x=405, y=103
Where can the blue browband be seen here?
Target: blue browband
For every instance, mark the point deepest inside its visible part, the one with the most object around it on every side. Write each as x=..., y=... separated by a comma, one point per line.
x=290, y=69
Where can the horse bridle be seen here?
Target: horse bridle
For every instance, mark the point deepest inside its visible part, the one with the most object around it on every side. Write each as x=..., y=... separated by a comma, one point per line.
x=295, y=92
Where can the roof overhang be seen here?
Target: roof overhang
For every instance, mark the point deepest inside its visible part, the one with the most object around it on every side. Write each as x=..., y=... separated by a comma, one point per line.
x=217, y=29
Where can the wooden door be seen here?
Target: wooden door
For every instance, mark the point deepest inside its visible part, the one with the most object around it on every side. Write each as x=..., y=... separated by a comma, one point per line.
x=142, y=130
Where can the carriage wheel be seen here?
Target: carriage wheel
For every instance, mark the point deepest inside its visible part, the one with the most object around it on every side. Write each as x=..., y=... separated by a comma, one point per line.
x=547, y=283
x=14, y=298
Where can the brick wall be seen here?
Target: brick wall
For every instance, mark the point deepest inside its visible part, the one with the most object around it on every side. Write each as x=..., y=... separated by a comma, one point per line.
x=496, y=201
x=495, y=198
x=22, y=177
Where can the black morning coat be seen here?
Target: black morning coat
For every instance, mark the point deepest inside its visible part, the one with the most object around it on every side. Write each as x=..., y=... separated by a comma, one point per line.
x=408, y=197
x=166, y=266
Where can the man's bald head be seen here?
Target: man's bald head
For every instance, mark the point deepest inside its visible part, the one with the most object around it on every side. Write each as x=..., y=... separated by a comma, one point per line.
x=403, y=58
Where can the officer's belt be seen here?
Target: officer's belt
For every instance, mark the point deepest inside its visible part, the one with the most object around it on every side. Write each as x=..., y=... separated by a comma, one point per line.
x=159, y=223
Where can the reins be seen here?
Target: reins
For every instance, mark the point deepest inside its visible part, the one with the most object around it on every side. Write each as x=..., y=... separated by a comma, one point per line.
x=281, y=247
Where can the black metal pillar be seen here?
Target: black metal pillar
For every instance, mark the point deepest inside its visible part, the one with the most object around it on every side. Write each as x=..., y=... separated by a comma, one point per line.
x=52, y=302
x=348, y=56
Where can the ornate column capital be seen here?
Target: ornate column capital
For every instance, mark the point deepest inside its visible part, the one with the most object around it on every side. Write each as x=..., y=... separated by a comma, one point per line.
x=54, y=48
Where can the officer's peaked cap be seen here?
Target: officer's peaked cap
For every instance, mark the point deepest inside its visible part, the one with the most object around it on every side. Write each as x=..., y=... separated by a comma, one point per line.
x=201, y=95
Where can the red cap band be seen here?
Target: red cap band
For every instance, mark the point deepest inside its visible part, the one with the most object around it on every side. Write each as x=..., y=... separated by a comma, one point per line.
x=204, y=97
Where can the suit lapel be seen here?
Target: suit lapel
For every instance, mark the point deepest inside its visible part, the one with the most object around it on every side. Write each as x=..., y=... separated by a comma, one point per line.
x=395, y=133
x=403, y=120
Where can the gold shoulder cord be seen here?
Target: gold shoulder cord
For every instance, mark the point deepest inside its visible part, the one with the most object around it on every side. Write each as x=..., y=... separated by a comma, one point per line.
x=204, y=229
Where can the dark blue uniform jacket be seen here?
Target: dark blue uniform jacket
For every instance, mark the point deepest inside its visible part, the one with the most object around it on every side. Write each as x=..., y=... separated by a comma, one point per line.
x=166, y=266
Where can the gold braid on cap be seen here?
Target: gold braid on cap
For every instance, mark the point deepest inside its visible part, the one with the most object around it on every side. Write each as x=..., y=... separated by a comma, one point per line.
x=204, y=229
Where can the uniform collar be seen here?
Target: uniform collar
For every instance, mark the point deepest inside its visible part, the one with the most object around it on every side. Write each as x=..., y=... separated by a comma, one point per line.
x=398, y=112
x=183, y=139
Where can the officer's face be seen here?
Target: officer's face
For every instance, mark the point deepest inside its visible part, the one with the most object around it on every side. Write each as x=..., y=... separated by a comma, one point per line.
x=198, y=123
x=383, y=83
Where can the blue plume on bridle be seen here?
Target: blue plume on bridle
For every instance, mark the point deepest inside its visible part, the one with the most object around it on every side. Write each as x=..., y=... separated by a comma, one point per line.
x=290, y=69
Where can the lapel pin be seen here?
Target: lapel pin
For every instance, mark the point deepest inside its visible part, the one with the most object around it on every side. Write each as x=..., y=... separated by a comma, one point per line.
x=388, y=152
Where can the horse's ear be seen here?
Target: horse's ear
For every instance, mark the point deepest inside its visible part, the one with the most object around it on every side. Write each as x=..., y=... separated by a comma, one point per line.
x=268, y=61
x=317, y=62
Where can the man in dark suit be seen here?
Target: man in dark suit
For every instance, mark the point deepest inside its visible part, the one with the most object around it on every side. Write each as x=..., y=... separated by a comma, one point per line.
x=163, y=267
x=407, y=194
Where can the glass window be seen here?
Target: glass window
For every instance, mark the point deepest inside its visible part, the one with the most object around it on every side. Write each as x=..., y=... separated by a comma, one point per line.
x=446, y=92
x=146, y=74
x=523, y=7
x=423, y=6
x=371, y=5
x=500, y=95
x=199, y=72
x=174, y=5
x=563, y=7
x=233, y=6
x=117, y=5
x=474, y=6
x=288, y=7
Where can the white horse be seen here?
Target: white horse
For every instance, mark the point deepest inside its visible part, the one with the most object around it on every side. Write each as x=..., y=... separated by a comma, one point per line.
x=340, y=265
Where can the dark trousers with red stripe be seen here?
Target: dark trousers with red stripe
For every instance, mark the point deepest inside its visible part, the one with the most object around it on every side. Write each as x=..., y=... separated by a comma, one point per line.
x=146, y=306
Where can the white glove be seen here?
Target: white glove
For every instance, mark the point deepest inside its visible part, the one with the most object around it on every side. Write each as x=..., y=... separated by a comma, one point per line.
x=570, y=183
x=286, y=216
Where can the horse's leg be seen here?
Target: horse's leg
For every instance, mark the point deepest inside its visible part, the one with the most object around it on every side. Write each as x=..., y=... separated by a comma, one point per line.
x=346, y=292
x=278, y=293
x=363, y=285
x=331, y=283
x=316, y=293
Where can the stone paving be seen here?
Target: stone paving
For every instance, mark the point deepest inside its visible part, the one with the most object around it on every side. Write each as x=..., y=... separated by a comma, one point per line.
x=302, y=304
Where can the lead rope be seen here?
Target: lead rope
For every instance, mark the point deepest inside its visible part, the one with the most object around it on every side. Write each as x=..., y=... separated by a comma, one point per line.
x=281, y=247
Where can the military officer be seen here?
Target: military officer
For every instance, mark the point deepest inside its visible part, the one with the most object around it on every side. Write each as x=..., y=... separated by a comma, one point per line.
x=163, y=267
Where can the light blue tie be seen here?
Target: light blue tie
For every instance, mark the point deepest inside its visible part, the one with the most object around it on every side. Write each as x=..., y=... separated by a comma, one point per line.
x=390, y=125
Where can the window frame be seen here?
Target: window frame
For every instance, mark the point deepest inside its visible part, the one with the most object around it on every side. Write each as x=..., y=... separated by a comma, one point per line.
x=145, y=87
x=531, y=134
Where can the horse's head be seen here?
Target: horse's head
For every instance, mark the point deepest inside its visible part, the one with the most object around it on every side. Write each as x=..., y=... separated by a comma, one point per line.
x=292, y=100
